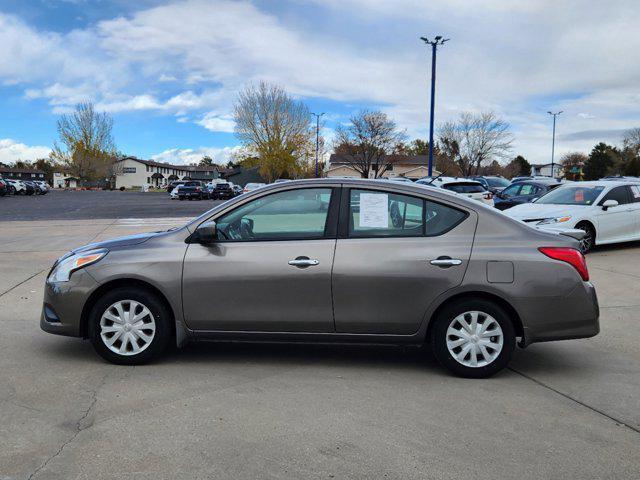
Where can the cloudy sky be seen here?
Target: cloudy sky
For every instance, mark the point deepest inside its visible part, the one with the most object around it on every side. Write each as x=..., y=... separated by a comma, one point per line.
x=168, y=72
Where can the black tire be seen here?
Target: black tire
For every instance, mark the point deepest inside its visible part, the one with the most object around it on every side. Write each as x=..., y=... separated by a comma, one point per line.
x=181, y=198
x=439, y=338
x=589, y=240
x=161, y=316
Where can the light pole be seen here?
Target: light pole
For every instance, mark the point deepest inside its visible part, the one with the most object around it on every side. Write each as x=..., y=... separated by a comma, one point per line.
x=434, y=47
x=317, y=137
x=553, y=141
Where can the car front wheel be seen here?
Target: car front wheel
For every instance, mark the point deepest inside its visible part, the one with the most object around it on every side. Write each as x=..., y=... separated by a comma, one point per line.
x=130, y=326
x=589, y=239
x=473, y=338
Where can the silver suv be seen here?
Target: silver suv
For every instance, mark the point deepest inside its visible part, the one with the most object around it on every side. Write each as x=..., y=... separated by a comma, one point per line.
x=330, y=261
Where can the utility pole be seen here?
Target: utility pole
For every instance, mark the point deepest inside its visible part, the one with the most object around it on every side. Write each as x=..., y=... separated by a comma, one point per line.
x=317, y=137
x=434, y=47
x=553, y=141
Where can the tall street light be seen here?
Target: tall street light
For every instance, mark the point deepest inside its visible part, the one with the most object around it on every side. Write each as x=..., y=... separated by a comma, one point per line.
x=553, y=141
x=434, y=47
x=317, y=115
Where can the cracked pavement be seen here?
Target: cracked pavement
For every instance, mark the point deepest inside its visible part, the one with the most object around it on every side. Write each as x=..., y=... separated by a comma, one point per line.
x=563, y=410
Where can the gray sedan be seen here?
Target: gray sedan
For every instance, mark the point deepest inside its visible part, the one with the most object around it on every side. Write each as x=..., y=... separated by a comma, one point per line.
x=330, y=261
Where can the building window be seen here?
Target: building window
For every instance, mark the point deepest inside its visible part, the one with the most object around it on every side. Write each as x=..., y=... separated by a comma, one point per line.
x=129, y=170
x=148, y=179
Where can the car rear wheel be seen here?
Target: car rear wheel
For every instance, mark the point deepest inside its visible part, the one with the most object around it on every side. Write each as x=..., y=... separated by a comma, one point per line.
x=130, y=326
x=473, y=338
x=589, y=239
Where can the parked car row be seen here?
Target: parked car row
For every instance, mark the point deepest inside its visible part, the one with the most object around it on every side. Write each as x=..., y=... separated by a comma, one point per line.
x=607, y=211
x=22, y=187
x=217, y=190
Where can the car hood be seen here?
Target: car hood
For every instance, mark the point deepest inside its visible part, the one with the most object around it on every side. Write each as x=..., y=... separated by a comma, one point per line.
x=538, y=210
x=117, y=242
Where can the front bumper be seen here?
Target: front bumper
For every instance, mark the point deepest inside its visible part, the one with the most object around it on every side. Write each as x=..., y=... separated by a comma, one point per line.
x=63, y=303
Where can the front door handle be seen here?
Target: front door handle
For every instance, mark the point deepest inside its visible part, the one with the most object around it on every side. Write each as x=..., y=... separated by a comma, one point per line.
x=446, y=262
x=304, y=262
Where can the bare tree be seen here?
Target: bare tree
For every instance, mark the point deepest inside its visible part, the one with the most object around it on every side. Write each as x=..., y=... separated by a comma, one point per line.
x=369, y=142
x=631, y=141
x=275, y=127
x=86, y=148
x=475, y=139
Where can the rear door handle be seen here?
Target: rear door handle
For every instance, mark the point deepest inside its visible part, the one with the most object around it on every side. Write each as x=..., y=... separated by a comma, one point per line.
x=304, y=262
x=446, y=262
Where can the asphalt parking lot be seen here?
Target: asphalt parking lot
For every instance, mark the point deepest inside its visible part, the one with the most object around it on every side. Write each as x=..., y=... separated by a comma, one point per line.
x=563, y=410
x=77, y=205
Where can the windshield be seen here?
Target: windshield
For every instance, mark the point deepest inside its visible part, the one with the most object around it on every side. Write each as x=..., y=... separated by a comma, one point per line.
x=573, y=195
x=497, y=182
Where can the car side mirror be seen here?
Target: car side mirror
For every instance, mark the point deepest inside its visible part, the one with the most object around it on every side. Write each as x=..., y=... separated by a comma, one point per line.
x=206, y=233
x=607, y=204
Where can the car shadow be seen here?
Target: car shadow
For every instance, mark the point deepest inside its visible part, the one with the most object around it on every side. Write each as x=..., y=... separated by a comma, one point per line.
x=296, y=354
x=613, y=247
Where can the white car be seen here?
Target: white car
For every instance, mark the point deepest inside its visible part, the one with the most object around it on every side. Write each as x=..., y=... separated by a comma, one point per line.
x=608, y=211
x=18, y=188
x=174, y=193
x=250, y=187
x=462, y=186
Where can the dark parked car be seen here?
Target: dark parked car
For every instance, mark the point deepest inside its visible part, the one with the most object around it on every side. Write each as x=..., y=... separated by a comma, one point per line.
x=30, y=187
x=523, y=192
x=193, y=189
x=3, y=188
x=493, y=184
x=173, y=185
x=221, y=191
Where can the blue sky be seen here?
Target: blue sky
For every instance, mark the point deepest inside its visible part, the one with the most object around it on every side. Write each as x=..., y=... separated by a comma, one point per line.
x=168, y=72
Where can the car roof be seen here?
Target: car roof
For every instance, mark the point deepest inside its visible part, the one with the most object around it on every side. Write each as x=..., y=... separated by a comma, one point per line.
x=604, y=183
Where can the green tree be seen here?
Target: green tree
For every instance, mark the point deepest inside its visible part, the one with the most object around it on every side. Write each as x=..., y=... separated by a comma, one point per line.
x=419, y=147
x=600, y=162
x=206, y=161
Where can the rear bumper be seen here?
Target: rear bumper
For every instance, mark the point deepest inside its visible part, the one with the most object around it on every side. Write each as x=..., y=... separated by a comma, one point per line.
x=561, y=318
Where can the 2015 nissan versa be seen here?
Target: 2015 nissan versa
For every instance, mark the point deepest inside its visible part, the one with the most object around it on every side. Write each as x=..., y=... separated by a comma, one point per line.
x=330, y=261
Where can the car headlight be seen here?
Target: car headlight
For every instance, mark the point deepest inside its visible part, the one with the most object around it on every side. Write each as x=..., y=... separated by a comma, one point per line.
x=547, y=221
x=66, y=265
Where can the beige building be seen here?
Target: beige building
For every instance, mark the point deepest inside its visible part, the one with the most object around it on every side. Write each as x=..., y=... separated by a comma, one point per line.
x=408, y=166
x=64, y=180
x=132, y=172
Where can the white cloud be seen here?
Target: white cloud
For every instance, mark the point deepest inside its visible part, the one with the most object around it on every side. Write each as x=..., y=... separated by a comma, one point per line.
x=512, y=57
x=10, y=151
x=217, y=123
x=220, y=155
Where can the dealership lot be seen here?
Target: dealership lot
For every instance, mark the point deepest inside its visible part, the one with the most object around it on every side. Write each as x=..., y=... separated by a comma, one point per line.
x=566, y=409
x=75, y=205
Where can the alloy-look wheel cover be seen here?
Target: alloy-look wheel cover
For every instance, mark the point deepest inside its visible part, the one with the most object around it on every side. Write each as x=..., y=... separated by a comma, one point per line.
x=474, y=339
x=127, y=327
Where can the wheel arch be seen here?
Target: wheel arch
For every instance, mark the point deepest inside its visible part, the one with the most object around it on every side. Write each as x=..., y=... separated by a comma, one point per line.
x=118, y=283
x=591, y=224
x=491, y=297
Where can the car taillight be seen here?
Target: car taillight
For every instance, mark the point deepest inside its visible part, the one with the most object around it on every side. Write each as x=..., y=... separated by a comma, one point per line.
x=197, y=189
x=569, y=255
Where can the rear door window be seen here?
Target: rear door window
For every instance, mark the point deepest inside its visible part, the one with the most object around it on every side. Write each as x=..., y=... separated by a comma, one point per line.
x=619, y=194
x=384, y=214
x=635, y=193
